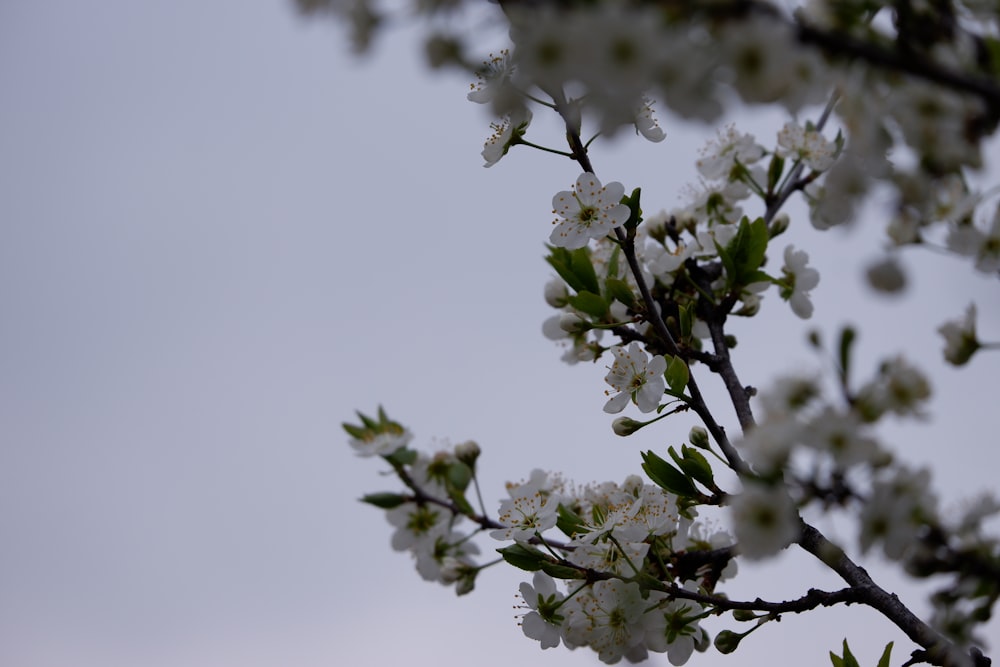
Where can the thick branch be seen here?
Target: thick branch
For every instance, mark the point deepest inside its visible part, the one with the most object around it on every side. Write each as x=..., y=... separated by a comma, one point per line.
x=939, y=650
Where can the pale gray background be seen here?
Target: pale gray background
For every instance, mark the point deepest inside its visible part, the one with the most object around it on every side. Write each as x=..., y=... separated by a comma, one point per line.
x=219, y=235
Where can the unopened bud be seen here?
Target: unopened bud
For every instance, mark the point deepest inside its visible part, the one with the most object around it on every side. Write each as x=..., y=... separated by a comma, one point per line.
x=573, y=323
x=556, y=294
x=624, y=426
x=727, y=641
x=778, y=225
x=886, y=276
x=467, y=453
x=744, y=615
x=699, y=437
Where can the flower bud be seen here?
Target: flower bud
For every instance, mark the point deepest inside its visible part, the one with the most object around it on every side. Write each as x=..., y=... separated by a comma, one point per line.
x=624, y=426
x=778, y=225
x=573, y=323
x=744, y=615
x=727, y=641
x=886, y=276
x=467, y=453
x=556, y=294
x=698, y=437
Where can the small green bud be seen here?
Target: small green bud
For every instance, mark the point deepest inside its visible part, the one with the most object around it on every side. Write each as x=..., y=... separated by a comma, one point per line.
x=778, y=225
x=744, y=615
x=624, y=426
x=698, y=437
x=727, y=641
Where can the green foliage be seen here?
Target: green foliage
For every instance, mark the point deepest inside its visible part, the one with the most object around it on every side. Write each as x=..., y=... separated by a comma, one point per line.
x=677, y=376
x=666, y=476
x=848, y=659
x=694, y=465
x=575, y=267
x=386, y=501
x=744, y=254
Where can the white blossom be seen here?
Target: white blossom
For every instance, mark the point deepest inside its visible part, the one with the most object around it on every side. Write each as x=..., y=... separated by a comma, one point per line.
x=809, y=146
x=635, y=377
x=799, y=279
x=721, y=154
x=589, y=211
x=764, y=520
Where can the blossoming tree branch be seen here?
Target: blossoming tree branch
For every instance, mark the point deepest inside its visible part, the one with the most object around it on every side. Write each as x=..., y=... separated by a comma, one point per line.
x=630, y=567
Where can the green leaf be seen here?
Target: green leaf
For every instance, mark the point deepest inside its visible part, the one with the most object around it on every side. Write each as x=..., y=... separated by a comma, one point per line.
x=386, y=500
x=402, y=457
x=746, y=252
x=561, y=571
x=569, y=522
x=727, y=263
x=635, y=213
x=835, y=659
x=583, y=269
x=355, y=431
x=774, y=171
x=612, y=271
x=459, y=475
x=589, y=303
x=884, y=660
x=619, y=289
x=849, y=659
x=368, y=421
x=522, y=557
x=677, y=375
x=559, y=259
x=696, y=466
x=458, y=497
x=686, y=321
x=666, y=476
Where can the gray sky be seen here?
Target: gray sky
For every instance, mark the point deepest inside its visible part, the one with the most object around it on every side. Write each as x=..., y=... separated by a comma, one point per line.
x=220, y=235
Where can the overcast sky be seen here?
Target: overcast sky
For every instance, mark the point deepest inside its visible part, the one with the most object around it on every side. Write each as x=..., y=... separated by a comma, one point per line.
x=220, y=235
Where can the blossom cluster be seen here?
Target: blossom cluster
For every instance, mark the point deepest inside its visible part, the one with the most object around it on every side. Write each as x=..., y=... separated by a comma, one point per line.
x=607, y=541
x=911, y=102
x=704, y=247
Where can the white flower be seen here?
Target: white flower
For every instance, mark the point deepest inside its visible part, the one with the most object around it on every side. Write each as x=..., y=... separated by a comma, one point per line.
x=543, y=622
x=377, y=436
x=416, y=525
x=960, y=341
x=531, y=509
x=673, y=629
x=506, y=133
x=645, y=123
x=605, y=555
x=589, y=211
x=380, y=443
x=765, y=520
x=896, y=510
x=841, y=436
x=608, y=618
x=900, y=388
x=492, y=77
x=637, y=377
x=810, y=146
x=799, y=279
x=721, y=154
